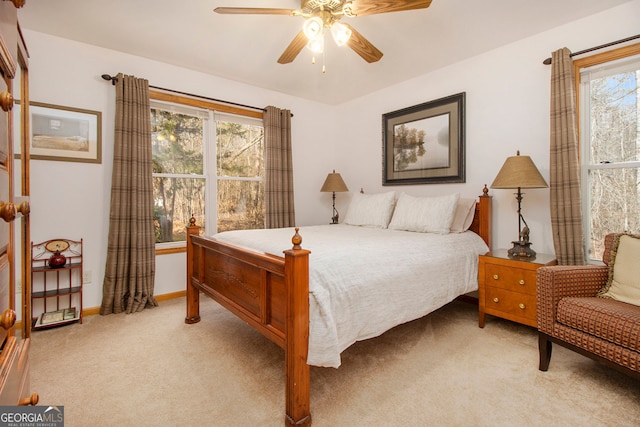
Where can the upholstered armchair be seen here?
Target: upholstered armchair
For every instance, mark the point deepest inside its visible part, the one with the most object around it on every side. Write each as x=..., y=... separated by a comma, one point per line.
x=570, y=314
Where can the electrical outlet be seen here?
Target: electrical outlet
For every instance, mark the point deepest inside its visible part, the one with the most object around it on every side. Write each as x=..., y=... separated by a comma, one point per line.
x=86, y=277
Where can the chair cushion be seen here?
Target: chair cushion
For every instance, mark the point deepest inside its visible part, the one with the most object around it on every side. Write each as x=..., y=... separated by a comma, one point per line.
x=623, y=283
x=611, y=320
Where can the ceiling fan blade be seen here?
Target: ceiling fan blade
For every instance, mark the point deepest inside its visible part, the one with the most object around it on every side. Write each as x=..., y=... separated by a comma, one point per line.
x=372, y=7
x=294, y=48
x=363, y=47
x=253, y=11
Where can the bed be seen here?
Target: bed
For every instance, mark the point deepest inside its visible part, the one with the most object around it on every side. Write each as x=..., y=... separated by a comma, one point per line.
x=314, y=305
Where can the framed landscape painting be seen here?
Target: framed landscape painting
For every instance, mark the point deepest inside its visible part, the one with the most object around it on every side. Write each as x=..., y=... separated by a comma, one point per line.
x=425, y=143
x=65, y=133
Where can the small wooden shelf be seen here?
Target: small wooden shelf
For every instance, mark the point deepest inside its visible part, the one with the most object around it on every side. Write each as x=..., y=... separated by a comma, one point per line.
x=54, y=289
x=54, y=292
x=64, y=267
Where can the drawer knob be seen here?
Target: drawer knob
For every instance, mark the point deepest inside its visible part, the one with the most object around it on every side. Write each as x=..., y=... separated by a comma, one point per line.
x=521, y=282
x=522, y=306
x=496, y=300
x=31, y=400
x=18, y=3
x=496, y=277
x=7, y=211
x=24, y=208
x=6, y=101
x=8, y=319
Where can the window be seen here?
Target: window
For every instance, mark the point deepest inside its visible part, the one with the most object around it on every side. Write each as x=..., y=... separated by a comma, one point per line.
x=610, y=145
x=240, y=174
x=206, y=164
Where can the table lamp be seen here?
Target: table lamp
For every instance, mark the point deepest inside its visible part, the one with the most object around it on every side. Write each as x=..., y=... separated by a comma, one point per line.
x=334, y=184
x=520, y=172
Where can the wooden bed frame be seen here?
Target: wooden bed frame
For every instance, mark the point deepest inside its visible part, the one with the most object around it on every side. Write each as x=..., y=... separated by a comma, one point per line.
x=271, y=294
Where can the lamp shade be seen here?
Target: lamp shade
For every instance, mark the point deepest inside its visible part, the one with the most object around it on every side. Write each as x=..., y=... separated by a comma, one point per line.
x=334, y=184
x=313, y=27
x=341, y=33
x=519, y=172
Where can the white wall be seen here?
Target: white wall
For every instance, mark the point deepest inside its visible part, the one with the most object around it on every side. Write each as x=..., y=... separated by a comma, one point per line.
x=507, y=109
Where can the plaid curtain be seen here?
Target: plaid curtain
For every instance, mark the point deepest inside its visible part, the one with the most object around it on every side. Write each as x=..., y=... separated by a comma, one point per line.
x=278, y=191
x=566, y=204
x=130, y=268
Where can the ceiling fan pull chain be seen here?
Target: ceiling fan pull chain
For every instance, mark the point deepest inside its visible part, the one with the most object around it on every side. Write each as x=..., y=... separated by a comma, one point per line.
x=324, y=69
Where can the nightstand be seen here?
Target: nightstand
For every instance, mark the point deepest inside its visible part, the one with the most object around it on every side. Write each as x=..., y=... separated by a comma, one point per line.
x=507, y=286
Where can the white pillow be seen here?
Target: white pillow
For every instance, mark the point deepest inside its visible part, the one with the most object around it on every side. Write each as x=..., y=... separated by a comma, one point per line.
x=463, y=216
x=424, y=214
x=623, y=283
x=371, y=210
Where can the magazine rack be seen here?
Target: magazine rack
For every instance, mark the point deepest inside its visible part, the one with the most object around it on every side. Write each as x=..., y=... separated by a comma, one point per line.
x=56, y=283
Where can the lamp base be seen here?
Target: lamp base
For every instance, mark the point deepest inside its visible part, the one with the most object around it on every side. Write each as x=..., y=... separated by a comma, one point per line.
x=335, y=219
x=521, y=249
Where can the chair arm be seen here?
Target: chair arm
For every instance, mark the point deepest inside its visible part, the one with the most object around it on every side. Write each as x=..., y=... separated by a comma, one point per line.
x=557, y=282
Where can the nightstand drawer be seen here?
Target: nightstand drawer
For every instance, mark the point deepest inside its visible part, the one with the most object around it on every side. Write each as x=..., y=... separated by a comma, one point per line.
x=510, y=278
x=514, y=303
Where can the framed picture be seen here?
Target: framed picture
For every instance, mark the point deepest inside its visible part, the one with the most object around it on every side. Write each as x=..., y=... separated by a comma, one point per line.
x=69, y=313
x=52, y=316
x=425, y=143
x=64, y=133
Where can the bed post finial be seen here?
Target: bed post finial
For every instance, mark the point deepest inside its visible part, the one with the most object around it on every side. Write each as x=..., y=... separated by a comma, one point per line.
x=296, y=240
x=485, y=190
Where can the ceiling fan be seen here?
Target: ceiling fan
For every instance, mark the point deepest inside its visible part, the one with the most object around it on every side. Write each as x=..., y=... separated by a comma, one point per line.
x=325, y=14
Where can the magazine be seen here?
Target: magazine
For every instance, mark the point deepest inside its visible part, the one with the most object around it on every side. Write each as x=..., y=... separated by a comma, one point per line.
x=58, y=316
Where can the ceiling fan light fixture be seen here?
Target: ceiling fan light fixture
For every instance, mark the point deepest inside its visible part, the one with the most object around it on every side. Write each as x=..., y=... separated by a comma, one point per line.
x=321, y=15
x=341, y=33
x=316, y=44
x=313, y=27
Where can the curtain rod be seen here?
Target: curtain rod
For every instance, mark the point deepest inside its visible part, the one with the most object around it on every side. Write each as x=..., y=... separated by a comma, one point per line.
x=115, y=79
x=602, y=46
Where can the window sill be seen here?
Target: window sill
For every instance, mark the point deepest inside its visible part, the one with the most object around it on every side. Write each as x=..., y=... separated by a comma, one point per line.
x=172, y=250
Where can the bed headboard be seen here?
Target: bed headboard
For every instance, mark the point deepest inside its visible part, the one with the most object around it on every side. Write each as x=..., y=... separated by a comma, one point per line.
x=481, y=224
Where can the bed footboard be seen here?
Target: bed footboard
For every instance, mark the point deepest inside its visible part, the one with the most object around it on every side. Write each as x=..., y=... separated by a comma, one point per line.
x=268, y=292
x=271, y=294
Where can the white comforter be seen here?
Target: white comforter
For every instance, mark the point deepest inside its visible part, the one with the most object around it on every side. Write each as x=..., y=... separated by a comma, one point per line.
x=364, y=281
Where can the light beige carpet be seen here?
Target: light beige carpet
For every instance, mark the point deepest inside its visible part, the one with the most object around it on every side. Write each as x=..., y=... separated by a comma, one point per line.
x=151, y=369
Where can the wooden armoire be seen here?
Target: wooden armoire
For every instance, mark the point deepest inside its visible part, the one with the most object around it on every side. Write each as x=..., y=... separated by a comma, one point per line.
x=15, y=281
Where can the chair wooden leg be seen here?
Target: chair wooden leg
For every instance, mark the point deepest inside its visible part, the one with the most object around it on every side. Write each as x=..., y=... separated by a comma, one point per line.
x=544, y=347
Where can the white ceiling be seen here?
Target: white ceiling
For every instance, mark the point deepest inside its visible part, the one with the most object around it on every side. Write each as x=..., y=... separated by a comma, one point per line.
x=245, y=48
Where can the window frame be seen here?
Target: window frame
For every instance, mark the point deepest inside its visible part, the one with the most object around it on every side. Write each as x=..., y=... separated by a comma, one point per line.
x=211, y=178
x=585, y=166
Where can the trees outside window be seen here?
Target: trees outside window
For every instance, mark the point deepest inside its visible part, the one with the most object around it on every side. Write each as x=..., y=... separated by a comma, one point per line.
x=240, y=175
x=610, y=148
x=205, y=165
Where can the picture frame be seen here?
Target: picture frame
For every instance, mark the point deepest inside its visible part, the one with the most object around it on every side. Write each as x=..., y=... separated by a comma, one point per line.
x=425, y=143
x=63, y=133
x=58, y=317
x=52, y=317
x=69, y=313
